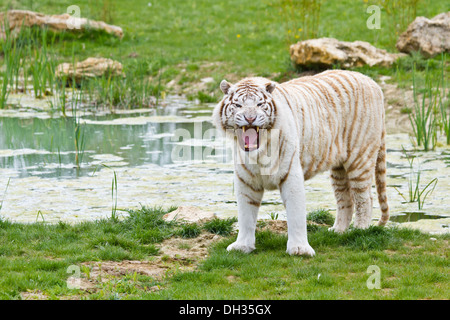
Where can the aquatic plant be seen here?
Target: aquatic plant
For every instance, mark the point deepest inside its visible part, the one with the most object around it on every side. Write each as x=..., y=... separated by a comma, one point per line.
x=40, y=214
x=423, y=119
x=79, y=143
x=26, y=54
x=444, y=104
x=42, y=63
x=114, y=196
x=114, y=216
x=415, y=193
x=135, y=90
x=12, y=56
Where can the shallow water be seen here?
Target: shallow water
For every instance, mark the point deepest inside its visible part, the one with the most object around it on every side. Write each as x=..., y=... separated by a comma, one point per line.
x=154, y=165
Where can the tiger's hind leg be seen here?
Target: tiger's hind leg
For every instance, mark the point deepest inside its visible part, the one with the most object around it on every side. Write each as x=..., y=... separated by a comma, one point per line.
x=344, y=199
x=360, y=182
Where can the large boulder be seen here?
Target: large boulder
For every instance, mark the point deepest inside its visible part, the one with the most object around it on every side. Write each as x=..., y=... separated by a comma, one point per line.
x=326, y=52
x=15, y=19
x=429, y=36
x=89, y=68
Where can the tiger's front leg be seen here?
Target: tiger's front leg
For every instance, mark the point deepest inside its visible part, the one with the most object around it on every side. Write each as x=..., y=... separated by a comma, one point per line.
x=292, y=191
x=248, y=202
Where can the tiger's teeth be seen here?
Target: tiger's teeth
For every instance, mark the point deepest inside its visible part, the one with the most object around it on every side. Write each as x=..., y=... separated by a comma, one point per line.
x=257, y=129
x=243, y=128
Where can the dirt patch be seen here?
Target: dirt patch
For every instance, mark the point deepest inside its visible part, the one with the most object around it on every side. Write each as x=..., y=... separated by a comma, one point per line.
x=189, y=249
x=175, y=254
x=102, y=271
x=276, y=226
x=398, y=103
x=280, y=226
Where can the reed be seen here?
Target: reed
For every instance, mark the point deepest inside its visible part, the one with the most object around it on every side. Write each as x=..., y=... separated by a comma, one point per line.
x=42, y=65
x=79, y=144
x=11, y=59
x=114, y=197
x=444, y=104
x=24, y=55
x=3, y=92
x=135, y=90
x=114, y=217
x=423, y=119
x=79, y=127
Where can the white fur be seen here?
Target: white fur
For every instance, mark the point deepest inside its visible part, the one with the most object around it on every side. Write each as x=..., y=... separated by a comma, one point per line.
x=309, y=133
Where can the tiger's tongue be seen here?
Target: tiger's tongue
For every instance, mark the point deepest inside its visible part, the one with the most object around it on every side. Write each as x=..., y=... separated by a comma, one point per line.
x=249, y=139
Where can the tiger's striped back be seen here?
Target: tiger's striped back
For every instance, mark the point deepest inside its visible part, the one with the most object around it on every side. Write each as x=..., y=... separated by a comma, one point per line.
x=340, y=122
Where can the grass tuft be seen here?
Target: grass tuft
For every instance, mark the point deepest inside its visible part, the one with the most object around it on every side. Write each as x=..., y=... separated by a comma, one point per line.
x=321, y=216
x=222, y=227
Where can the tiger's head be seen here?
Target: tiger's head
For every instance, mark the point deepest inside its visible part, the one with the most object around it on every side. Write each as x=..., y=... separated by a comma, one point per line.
x=246, y=108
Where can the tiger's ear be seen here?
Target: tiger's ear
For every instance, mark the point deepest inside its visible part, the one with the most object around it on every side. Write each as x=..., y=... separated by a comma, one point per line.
x=270, y=87
x=225, y=86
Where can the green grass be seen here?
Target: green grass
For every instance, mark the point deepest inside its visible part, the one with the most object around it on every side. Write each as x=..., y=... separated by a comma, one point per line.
x=171, y=38
x=36, y=257
x=412, y=267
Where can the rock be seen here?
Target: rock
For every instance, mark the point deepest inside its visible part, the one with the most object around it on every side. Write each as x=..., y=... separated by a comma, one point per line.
x=89, y=68
x=189, y=214
x=326, y=52
x=63, y=22
x=429, y=36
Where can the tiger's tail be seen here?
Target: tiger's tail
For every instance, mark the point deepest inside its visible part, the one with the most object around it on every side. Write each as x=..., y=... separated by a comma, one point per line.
x=380, y=180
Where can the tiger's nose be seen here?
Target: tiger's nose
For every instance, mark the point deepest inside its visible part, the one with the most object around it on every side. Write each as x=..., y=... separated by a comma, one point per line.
x=250, y=119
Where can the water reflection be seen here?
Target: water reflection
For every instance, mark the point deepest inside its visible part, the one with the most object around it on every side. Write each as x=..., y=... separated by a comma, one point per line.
x=46, y=147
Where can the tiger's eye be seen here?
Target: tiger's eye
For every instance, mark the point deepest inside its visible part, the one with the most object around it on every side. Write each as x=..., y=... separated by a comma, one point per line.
x=260, y=104
x=237, y=105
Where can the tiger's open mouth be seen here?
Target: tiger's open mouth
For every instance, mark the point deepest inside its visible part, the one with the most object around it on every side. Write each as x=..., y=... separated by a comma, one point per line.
x=248, y=137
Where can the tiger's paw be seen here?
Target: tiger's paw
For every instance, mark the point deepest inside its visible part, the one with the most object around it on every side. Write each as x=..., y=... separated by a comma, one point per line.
x=301, y=250
x=337, y=229
x=241, y=247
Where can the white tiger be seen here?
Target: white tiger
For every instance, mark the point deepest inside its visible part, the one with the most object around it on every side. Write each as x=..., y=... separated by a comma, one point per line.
x=333, y=120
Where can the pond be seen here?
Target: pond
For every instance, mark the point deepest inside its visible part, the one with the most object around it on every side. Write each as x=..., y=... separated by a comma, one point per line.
x=164, y=156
